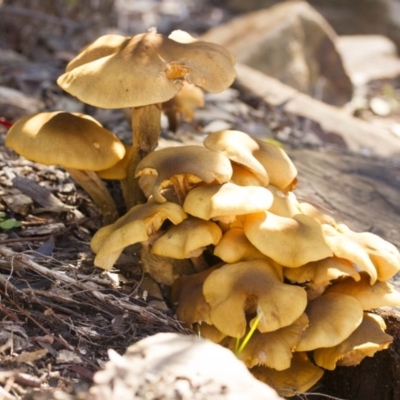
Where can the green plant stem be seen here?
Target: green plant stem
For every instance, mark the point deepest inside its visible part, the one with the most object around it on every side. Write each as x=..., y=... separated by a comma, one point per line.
x=146, y=128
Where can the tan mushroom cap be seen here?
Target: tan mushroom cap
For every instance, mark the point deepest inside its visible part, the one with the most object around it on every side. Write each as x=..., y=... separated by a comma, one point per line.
x=290, y=242
x=226, y=200
x=119, y=170
x=185, y=165
x=345, y=247
x=380, y=294
x=299, y=378
x=135, y=226
x=185, y=101
x=384, y=255
x=150, y=69
x=71, y=140
x=333, y=318
x=273, y=349
x=187, y=294
x=209, y=332
x=243, y=177
x=280, y=168
x=238, y=147
x=235, y=247
x=249, y=287
x=318, y=275
x=187, y=239
x=365, y=341
x=285, y=203
x=319, y=216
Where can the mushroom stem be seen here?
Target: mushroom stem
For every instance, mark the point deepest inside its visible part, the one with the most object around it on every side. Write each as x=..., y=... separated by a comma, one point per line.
x=98, y=192
x=146, y=127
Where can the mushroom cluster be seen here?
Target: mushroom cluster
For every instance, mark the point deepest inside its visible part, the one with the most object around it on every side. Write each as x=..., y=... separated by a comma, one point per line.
x=246, y=260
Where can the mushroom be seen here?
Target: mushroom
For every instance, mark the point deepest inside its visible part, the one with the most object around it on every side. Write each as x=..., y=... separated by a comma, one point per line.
x=183, y=104
x=333, y=318
x=299, y=378
x=225, y=202
x=251, y=287
x=239, y=148
x=365, y=341
x=137, y=225
x=182, y=167
x=234, y=247
x=285, y=203
x=384, y=255
x=187, y=295
x=187, y=240
x=290, y=242
x=318, y=275
x=76, y=142
x=380, y=294
x=273, y=349
x=319, y=216
x=141, y=72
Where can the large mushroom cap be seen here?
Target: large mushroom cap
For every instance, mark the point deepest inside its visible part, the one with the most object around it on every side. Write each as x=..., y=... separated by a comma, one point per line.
x=333, y=318
x=184, y=165
x=226, y=200
x=148, y=68
x=250, y=287
x=365, y=341
x=135, y=226
x=71, y=140
x=291, y=242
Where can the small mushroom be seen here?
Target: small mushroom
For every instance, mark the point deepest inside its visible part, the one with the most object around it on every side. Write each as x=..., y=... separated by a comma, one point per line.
x=285, y=203
x=76, y=142
x=291, y=242
x=239, y=148
x=183, y=104
x=384, y=255
x=187, y=294
x=187, y=239
x=299, y=378
x=137, y=225
x=142, y=72
x=380, y=294
x=333, y=318
x=273, y=349
x=225, y=202
x=182, y=167
x=345, y=247
x=247, y=288
x=365, y=341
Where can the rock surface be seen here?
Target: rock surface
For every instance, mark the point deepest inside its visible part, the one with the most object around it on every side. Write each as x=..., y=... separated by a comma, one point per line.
x=171, y=366
x=293, y=43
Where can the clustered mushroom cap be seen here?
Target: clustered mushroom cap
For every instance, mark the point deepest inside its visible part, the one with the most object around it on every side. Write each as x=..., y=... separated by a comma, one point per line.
x=365, y=341
x=301, y=376
x=71, y=140
x=251, y=287
x=380, y=294
x=150, y=69
x=135, y=226
x=226, y=200
x=190, y=164
x=291, y=242
x=239, y=148
x=273, y=349
x=333, y=318
x=187, y=239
